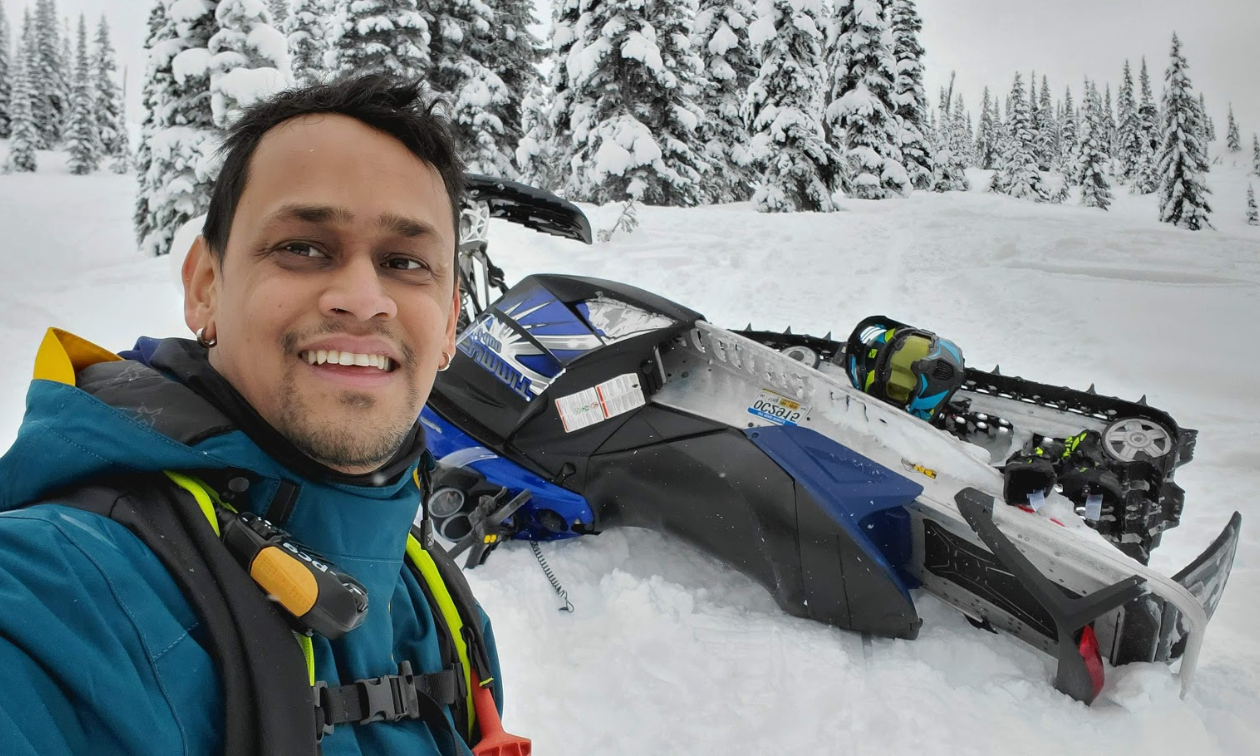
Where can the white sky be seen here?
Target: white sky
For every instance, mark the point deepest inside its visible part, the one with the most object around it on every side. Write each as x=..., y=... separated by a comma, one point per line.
x=985, y=41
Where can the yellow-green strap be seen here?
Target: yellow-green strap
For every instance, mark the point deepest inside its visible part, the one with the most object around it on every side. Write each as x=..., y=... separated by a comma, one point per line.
x=433, y=578
x=199, y=493
x=308, y=652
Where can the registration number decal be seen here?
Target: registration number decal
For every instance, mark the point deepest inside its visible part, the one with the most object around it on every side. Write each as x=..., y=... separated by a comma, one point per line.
x=777, y=408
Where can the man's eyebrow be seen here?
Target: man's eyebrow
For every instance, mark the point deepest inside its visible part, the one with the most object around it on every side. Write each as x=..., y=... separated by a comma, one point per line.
x=314, y=214
x=404, y=226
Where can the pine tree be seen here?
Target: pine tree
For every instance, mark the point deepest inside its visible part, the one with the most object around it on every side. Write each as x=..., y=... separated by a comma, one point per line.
x=544, y=156
x=108, y=102
x=1017, y=173
x=24, y=136
x=951, y=148
x=82, y=130
x=1255, y=154
x=800, y=169
x=484, y=59
x=721, y=41
x=1092, y=159
x=6, y=75
x=49, y=79
x=392, y=36
x=1128, y=129
x=178, y=136
x=1068, y=138
x=1209, y=126
x=304, y=30
x=634, y=120
x=1183, y=163
x=908, y=94
x=279, y=11
x=1146, y=169
x=249, y=59
x=1233, y=142
x=1047, y=131
x=514, y=55
x=1253, y=214
x=861, y=119
x=1109, y=127
x=986, y=133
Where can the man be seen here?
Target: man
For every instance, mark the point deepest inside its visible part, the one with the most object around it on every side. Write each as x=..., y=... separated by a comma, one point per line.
x=323, y=295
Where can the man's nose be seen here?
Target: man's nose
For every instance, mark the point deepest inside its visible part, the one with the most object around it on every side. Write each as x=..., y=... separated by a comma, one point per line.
x=357, y=290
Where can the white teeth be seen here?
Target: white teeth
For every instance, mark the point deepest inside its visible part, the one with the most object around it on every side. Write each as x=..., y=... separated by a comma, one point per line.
x=335, y=357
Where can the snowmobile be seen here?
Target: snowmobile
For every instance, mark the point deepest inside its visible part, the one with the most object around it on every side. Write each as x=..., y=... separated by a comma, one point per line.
x=835, y=477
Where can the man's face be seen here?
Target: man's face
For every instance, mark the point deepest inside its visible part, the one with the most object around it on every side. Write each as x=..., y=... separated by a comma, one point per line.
x=336, y=297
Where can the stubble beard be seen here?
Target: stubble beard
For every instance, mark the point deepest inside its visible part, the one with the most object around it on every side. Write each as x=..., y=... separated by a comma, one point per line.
x=352, y=439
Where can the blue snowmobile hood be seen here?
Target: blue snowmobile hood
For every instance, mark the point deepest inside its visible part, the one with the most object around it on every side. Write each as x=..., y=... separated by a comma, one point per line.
x=91, y=414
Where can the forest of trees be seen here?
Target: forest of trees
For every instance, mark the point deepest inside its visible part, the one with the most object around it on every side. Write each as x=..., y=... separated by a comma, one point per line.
x=791, y=104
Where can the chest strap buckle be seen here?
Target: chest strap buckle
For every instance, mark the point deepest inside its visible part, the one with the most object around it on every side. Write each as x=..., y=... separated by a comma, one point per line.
x=388, y=698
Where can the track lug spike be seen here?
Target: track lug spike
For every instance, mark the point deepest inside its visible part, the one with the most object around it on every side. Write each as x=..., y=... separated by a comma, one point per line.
x=997, y=369
x=749, y=326
x=1091, y=389
x=827, y=337
x=787, y=331
x=1142, y=401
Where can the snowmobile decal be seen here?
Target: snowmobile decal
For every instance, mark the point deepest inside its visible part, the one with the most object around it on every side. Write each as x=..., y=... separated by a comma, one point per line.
x=507, y=355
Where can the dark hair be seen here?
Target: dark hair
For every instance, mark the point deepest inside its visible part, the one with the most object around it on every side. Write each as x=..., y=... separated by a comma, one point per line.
x=405, y=111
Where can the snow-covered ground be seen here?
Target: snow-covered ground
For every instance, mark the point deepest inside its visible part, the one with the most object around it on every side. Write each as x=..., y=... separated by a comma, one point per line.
x=669, y=651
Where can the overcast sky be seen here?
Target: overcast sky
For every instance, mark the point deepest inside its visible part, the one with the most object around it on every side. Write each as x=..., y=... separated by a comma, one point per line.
x=985, y=41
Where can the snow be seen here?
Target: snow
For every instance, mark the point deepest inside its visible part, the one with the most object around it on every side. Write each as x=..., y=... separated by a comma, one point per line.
x=669, y=651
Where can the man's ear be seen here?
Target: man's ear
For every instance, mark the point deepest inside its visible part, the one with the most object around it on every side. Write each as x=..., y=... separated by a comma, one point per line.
x=201, y=284
x=452, y=320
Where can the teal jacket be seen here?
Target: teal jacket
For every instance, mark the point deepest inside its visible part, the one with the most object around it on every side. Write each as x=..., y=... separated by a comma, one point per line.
x=100, y=652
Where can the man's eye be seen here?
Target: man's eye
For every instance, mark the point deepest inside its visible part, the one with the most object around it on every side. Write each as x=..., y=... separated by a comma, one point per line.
x=301, y=249
x=405, y=263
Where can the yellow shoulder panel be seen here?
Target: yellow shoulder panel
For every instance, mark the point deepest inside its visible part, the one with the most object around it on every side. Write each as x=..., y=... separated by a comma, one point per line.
x=62, y=354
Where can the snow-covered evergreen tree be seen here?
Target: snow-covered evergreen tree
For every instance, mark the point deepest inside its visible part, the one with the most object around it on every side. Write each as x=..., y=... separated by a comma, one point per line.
x=6, y=74
x=304, y=30
x=986, y=133
x=1047, y=129
x=514, y=55
x=279, y=11
x=111, y=126
x=82, y=131
x=1068, y=138
x=1108, y=124
x=249, y=59
x=1146, y=169
x=1255, y=154
x=1092, y=158
x=1253, y=214
x=799, y=169
x=1233, y=142
x=635, y=122
x=392, y=36
x=951, y=147
x=23, y=136
x=1128, y=128
x=178, y=135
x=908, y=94
x=544, y=155
x=729, y=66
x=1209, y=126
x=48, y=74
x=1017, y=173
x=861, y=119
x=1183, y=162
x=461, y=35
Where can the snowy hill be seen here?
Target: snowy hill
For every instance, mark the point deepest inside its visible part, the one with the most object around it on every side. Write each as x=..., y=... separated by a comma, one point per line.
x=669, y=651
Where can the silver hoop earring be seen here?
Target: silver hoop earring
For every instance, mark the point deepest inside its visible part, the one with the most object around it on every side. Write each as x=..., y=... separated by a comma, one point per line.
x=446, y=366
x=203, y=341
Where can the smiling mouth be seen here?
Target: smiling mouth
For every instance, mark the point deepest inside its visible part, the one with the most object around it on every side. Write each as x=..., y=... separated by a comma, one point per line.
x=374, y=362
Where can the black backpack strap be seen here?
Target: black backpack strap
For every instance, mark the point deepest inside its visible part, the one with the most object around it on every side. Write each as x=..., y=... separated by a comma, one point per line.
x=261, y=669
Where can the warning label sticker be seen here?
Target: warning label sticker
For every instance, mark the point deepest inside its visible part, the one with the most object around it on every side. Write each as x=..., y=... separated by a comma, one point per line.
x=599, y=403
